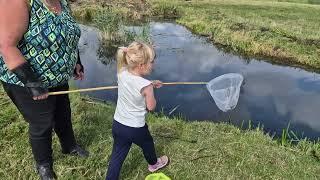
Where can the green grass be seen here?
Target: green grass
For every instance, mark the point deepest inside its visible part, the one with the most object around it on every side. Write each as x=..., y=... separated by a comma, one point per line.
x=86, y=10
x=298, y=1
x=282, y=32
x=198, y=150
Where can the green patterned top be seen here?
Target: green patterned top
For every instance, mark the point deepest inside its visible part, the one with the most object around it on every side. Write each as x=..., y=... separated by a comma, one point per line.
x=50, y=46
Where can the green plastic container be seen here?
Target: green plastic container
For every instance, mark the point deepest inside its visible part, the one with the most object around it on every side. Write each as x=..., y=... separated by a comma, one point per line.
x=157, y=176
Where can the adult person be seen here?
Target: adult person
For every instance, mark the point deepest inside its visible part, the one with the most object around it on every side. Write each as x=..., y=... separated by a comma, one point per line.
x=39, y=49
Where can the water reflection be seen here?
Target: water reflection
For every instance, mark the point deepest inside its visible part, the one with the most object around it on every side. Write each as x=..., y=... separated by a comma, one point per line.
x=272, y=95
x=107, y=50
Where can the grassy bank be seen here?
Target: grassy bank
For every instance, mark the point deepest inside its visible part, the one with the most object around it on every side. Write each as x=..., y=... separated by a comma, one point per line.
x=198, y=150
x=298, y=1
x=86, y=10
x=282, y=32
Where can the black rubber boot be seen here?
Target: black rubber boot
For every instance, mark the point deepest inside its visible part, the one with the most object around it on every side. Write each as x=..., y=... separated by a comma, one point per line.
x=77, y=151
x=46, y=172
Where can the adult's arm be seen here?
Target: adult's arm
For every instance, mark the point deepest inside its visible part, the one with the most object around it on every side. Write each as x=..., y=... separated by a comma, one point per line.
x=14, y=20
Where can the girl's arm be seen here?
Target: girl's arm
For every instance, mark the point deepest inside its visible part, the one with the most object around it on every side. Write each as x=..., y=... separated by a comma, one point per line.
x=148, y=93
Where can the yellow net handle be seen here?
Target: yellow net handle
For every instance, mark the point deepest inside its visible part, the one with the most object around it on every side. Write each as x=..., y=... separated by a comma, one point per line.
x=115, y=87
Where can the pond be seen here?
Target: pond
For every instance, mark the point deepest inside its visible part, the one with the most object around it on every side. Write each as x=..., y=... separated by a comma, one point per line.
x=272, y=95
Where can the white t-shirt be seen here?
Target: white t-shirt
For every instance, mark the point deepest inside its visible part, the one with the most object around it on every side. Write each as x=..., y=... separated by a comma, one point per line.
x=131, y=105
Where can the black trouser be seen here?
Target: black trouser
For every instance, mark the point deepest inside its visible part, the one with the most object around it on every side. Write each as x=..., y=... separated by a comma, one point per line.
x=43, y=116
x=123, y=137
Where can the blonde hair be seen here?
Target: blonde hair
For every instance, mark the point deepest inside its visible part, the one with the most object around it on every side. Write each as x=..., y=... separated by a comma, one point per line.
x=133, y=55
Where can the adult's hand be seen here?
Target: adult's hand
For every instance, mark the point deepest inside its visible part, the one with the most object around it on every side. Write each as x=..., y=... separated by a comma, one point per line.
x=31, y=82
x=41, y=97
x=79, y=72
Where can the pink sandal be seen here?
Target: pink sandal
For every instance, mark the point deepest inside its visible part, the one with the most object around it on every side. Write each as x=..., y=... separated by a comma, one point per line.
x=162, y=162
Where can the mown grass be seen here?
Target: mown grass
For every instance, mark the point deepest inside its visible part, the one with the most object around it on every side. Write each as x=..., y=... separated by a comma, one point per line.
x=283, y=32
x=198, y=150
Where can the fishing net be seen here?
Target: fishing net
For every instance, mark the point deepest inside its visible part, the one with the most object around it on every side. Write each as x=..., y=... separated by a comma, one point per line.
x=225, y=90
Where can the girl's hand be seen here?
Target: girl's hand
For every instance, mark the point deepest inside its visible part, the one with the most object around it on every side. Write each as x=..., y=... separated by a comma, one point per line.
x=157, y=84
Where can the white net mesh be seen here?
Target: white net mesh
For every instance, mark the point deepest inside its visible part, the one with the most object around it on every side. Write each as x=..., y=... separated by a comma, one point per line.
x=225, y=90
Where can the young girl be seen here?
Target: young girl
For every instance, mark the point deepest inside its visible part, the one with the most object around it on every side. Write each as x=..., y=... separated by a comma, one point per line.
x=135, y=95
